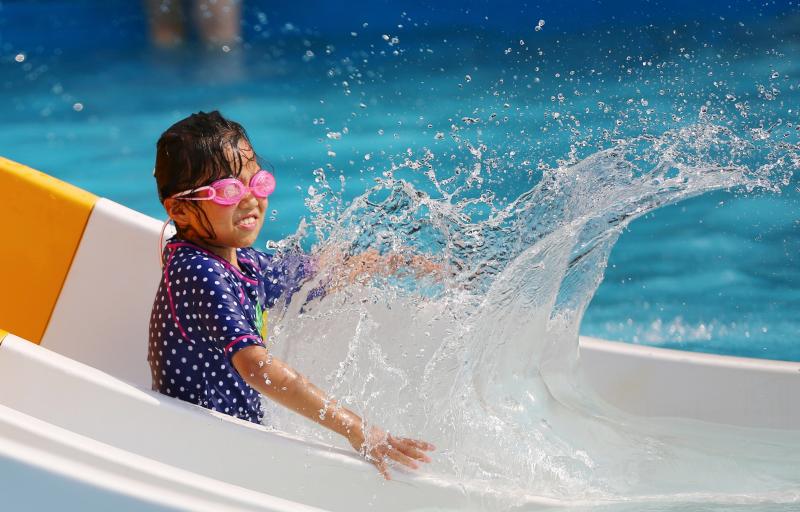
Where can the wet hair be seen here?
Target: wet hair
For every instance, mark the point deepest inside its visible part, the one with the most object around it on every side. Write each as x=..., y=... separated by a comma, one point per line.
x=195, y=152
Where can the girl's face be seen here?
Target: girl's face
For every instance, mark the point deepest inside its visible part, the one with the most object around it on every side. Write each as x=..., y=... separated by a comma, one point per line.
x=234, y=226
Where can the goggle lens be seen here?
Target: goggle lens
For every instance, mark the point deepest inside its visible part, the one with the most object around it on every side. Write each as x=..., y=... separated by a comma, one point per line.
x=231, y=191
x=262, y=184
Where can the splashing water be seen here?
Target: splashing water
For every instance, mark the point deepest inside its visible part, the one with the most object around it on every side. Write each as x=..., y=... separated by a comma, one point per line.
x=480, y=357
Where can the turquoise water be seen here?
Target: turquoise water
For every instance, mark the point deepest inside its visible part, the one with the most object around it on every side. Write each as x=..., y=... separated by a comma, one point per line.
x=717, y=273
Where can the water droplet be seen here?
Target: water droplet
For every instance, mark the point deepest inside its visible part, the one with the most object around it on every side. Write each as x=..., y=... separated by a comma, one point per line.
x=77, y=107
x=439, y=136
x=334, y=135
x=468, y=78
x=539, y=26
x=20, y=57
x=367, y=156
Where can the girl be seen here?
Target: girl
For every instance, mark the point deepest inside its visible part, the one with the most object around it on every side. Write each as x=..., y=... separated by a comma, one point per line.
x=207, y=326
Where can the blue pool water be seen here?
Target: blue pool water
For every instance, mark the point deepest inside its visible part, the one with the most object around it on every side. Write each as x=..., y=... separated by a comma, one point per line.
x=717, y=273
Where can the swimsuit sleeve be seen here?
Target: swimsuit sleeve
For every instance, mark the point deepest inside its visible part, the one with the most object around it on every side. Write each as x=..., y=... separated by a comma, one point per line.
x=285, y=274
x=207, y=310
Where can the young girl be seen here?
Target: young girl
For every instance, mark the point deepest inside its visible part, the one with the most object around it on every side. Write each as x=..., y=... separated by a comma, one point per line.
x=207, y=326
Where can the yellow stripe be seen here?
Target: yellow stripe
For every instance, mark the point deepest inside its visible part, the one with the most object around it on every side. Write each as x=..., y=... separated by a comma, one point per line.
x=41, y=227
x=2, y=336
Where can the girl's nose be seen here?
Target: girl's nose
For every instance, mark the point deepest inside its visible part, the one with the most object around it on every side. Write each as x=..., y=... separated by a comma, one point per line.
x=249, y=199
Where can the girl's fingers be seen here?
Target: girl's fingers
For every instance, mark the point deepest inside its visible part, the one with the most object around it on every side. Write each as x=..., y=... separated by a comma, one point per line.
x=409, y=448
x=398, y=456
x=422, y=445
x=381, y=465
x=403, y=450
x=413, y=452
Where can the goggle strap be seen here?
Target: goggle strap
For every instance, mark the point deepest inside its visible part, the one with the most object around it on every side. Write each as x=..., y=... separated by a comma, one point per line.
x=161, y=241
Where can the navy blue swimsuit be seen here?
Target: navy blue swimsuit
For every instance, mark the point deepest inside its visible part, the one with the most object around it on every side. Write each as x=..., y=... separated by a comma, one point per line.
x=205, y=311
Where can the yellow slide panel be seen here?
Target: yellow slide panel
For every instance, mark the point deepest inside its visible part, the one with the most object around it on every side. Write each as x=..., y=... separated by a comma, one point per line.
x=41, y=227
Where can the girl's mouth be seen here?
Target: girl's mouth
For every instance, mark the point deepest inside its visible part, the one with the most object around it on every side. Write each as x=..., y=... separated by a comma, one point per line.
x=248, y=222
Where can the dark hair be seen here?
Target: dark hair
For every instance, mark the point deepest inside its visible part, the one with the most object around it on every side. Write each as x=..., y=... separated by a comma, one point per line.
x=196, y=151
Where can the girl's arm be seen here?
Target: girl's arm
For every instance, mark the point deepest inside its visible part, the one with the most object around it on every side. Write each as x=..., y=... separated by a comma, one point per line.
x=275, y=379
x=371, y=262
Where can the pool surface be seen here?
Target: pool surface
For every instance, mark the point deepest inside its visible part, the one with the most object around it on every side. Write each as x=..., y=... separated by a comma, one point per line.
x=717, y=273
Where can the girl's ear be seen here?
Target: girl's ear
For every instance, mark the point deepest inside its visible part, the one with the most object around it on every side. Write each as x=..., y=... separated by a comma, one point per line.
x=177, y=210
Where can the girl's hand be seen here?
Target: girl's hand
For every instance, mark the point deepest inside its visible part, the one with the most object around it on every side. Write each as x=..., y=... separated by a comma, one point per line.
x=379, y=446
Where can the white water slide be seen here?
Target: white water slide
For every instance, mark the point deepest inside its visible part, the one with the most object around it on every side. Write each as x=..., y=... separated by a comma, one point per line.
x=80, y=428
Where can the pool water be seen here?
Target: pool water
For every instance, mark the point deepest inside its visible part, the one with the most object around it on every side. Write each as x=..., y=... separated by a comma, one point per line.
x=717, y=273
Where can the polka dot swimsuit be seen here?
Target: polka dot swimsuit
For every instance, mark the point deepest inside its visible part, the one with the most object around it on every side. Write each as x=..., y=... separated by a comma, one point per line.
x=205, y=311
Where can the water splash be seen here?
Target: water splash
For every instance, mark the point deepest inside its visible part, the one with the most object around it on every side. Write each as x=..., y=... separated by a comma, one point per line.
x=480, y=358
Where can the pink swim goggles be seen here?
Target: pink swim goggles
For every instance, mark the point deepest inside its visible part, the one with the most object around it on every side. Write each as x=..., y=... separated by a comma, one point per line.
x=229, y=191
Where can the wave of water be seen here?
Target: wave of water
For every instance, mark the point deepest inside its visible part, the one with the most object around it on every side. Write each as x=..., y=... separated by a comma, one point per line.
x=480, y=358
